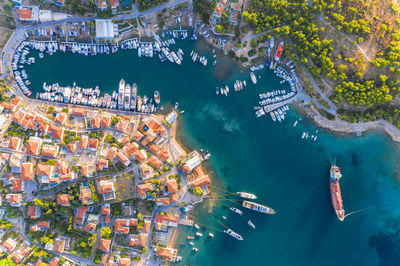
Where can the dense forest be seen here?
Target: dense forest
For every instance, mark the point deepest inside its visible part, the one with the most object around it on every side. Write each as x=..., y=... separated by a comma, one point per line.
x=318, y=29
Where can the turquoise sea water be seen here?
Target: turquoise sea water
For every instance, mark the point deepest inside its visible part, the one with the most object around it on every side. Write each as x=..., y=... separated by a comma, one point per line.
x=262, y=157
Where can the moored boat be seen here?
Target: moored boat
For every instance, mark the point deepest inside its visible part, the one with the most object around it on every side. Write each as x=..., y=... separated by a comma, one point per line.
x=253, y=78
x=336, y=195
x=233, y=234
x=246, y=195
x=157, y=97
x=251, y=224
x=257, y=207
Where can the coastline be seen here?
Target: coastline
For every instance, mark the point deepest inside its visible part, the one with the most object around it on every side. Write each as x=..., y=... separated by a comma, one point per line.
x=339, y=126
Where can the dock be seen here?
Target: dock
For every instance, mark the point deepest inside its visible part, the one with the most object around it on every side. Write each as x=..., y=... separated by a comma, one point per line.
x=271, y=107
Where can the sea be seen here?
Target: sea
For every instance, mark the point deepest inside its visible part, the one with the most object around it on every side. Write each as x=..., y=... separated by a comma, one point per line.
x=259, y=156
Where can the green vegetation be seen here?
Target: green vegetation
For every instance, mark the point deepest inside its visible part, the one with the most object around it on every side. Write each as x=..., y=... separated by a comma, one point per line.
x=204, y=9
x=198, y=191
x=147, y=4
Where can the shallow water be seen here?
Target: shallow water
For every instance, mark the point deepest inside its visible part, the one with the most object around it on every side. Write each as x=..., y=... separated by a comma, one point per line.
x=262, y=157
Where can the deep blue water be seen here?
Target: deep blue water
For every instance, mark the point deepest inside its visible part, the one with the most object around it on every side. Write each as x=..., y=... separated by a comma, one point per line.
x=262, y=157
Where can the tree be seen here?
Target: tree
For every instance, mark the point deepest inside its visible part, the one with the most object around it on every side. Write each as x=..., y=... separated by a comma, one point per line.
x=254, y=43
x=198, y=191
x=105, y=232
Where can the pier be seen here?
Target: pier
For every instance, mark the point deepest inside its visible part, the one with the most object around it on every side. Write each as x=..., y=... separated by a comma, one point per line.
x=271, y=107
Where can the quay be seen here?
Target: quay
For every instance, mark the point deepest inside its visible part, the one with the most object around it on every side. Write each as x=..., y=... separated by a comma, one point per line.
x=271, y=107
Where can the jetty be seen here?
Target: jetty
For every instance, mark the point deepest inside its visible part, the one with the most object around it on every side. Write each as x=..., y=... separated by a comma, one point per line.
x=271, y=107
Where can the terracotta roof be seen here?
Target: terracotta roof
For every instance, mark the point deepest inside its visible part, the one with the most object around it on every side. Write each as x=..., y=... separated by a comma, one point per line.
x=80, y=215
x=105, y=121
x=106, y=186
x=131, y=148
x=202, y=181
x=32, y=146
x=121, y=226
x=14, y=198
x=154, y=148
x=146, y=226
x=61, y=118
x=151, y=135
x=57, y=132
x=8, y=106
x=105, y=210
x=122, y=158
x=93, y=143
x=165, y=217
x=163, y=154
x=16, y=100
x=54, y=262
x=43, y=127
x=89, y=227
x=172, y=186
x=138, y=240
x=38, y=119
x=137, y=136
x=133, y=222
x=71, y=147
x=155, y=162
x=104, y=244
x=15, y=143
x=43, y=224
x=78, y=112
x=124, y=261
x=161, y=130
x=111, y=153
x=49, y=150
x=63, y=199
x=104, y=259
x=18, y=117
x=44, y=170
x=58, y=245
x=17, y=185
x=95, y=122
x=140, y=155
x=152, y=124
x=32, y=211
x=102, y=164
x=85, y=194
x=167, y=253
x=24, y=14
x=143, y=188
x=85, y=170
x=124, y=141
x=107, y=219
x=122, y=125
x=84, y=142
x=145, y=169
x=9, y=244
x=174, y=197
x=164, y=201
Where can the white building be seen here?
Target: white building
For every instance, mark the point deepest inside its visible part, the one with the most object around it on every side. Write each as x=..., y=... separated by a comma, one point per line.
x=104, y=29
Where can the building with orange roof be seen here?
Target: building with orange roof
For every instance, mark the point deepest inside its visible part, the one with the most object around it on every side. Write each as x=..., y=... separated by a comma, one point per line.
x=106, y=209
x=173, y=197
x=104, y=259
x=63, y=200
x=61, y=118
x=26, y=120
x=28, y=13
x=137, y=136
x=14, y=200
x=21, y=252
x=122, y=226
x=80, y=216
x=55, y=261
x=151, y=135
x=95, y=122
x=71, y=147
x=155, y=162
x=163, y=154
x=33, y=146
x=131, y=148
x=143, y=189
x=15, y=143
x=170, y=220
x=140, y=155
x=124, y=141
x=16, y=100
x=154, y=148
x=93, y=144
x=56, y=132
x=138, y=240
x=102, y=164
x=105, y=121
x=41, y=226
x=123, y=158
x=9, y=106
x=90, y=228
x=202, y=181
x=152, y=124
x=105, y=245
x=33, y=212
x=87, y=171
x=17, y=185
x=78, y=112
x=18, y=117
x=123, y=125
x=124, y=261
x=107, y=189
x=145, y=171
x=85, y=195
x=60, y=243
x=163, y=201
x=172, y=186
x=111, y=153
x=9, y=245
x=161, y=130
x=192, y=163
x=43, y=127
x=44, y=172
x=83, y=144
x=50, y=150
x=167, y=253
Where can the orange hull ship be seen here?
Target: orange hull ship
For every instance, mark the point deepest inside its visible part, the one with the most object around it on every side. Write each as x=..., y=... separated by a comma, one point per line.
x=336, y=195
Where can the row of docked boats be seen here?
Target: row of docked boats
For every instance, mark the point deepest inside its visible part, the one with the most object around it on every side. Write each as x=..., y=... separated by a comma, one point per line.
x=197, y=57
x=305, y=135
x=258, y=67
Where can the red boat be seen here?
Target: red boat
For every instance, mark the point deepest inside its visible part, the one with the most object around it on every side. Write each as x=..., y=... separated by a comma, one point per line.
x=336, y=195
x=279, y=51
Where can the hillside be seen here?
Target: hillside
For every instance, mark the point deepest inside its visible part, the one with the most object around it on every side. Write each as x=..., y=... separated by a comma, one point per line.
x=350, y=46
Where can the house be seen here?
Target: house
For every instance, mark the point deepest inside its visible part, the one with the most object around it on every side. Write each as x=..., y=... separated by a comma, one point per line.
x=71, y=147
x=28, y=13
x=124, y=262
x=105, y=209
x=56, y=132
x=85, y=195
x=93, y=144
x=105, y=121
x=14, y=200
x=155, y=162
x=143, y=189
x=140, y=155
x=50, y=150
x=146, y=171
x=95, y=122
x=87, y=171
x=123, y=158
x=60, y=244
x=123, y=141
x=111, y=153
x=41, y=226
x=191, y=164
x=107, y=189
x=167, y=253
x=9, y=106
x=202, y=181
x=63, y=200
x=137, y=136
x=154, y=148
x=122, y=226
x=17, y=185
x=172, y=186
x=122, y=125
x=138, y=240
x=34, y=212
x=21, y=252
x=61, y=118
x=80, y=216
x=114, y=5
x=102, y=164
x=163, y=201
x=83, y=144
x=105, y=245
x=9, y=245
x=15, y=143
x=56, y=260
x=27, y=172
x=43, y=127
x=44, y=172
x=15, y=162
x=59, y=2
x=78, y=112
x=168, y=219
x=90, y=228
x=131, y=148
x=18, y=117
x=33, y=146
x=163, y=154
